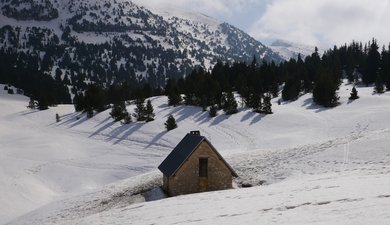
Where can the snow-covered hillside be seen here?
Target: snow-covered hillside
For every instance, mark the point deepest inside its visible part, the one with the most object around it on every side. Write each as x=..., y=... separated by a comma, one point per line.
x=319, y=166
x=116, y=41
x=290, y=50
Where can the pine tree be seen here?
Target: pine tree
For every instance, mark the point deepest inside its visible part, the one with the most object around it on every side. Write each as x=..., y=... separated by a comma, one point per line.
x=275, y=89
x=57, y=118
x=79, y=102
x=31, y=103
x=379, y=85
x=255, y=102
x=89, y=111
x=149, y=111
x=119, y=112
x=95, y=98
x=170, y=124
x=267, y=105
x=203, y=102
x=386, y=68
x=42, y=104
x=127, y=119
x=213, y=111
x=291, y=89
x=373, y=63
x=139, y=111
x=174, y=99
x=325, y=91
x=229, y=104
x=354, y=94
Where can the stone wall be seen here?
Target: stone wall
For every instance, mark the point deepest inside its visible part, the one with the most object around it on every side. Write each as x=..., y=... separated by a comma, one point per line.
x=165, y=183
x=187, y=178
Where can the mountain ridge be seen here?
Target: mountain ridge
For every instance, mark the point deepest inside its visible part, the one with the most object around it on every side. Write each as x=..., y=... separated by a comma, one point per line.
x=119, y=41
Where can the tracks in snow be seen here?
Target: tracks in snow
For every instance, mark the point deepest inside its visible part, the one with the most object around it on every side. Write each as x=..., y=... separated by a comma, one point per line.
x=272, y=166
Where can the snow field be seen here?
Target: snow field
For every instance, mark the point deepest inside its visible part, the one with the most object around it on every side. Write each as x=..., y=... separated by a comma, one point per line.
x=330, y=199
x=315, y=163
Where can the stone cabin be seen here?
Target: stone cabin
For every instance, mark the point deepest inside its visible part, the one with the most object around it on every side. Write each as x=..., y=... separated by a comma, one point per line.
x=194, y=166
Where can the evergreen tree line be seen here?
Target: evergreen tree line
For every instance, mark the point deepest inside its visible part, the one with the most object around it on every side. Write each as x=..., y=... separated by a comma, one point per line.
x=142, y=112
x=215, y=90
x=21, y=70
x=116, y=97
x=257, y=83
x=98, y=98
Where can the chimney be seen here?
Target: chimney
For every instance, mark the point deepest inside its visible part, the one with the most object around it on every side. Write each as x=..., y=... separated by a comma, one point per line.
x=195, y=132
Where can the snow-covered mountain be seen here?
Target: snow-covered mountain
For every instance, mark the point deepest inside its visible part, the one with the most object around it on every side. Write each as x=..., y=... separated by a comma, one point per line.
x=317, y=165
x=290, y=50
x=108, y=41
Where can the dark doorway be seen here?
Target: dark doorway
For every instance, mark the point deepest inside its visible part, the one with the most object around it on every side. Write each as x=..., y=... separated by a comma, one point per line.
x=203, y=167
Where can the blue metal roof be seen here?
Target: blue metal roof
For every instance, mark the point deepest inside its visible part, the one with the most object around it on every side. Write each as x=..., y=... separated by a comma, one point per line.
x=182, y=151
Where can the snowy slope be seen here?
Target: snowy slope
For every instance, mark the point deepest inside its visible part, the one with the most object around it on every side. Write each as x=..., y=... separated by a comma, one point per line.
x=290, y=50
x=326, y=165
x=344, y=198
x=40, y=162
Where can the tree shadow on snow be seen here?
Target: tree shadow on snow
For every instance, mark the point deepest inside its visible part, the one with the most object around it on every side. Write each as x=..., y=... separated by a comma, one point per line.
x=247, y=116
x=257, y=118
x=218, y=119
x=156, y=139
x=98, y=131
x=309, y=104
x=163, y=106
x=125, y=130
x=75, y=120
x=69, y=118
x=27, y=112
x=105, y=120
x=202, y=117
x=63, y=119
x=184, y=112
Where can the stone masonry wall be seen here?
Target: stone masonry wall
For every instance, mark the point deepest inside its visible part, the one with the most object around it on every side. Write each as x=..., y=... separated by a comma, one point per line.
x=187, y=178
